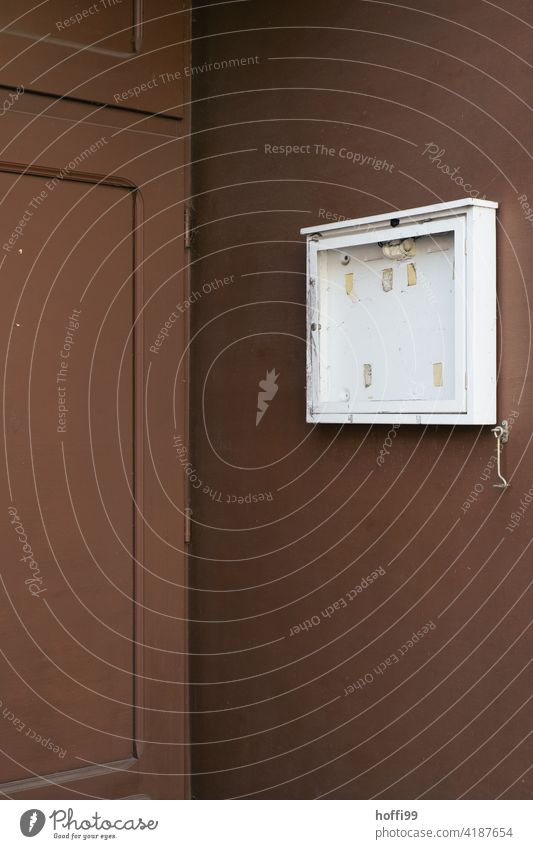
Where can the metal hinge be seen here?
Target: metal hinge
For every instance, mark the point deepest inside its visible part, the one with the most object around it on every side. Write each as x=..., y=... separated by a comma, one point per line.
x=189, y=215
x=187, y=525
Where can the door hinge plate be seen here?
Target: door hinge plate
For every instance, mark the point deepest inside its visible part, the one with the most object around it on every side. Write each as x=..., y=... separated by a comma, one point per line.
x=187, y=525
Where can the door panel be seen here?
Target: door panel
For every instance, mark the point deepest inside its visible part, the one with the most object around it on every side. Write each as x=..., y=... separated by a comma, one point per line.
x=125, y=53
x=92, y=617
x=69, y=621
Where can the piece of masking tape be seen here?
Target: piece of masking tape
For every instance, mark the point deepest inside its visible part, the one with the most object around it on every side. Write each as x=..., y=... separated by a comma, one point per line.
x=437, y=374
x=348, y=283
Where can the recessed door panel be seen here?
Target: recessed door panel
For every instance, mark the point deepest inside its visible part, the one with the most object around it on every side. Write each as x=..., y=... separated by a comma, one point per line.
x=69, y=618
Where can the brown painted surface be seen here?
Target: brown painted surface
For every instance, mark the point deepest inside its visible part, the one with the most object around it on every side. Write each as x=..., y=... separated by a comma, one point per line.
x=92, y=623
x=450, y=717
x=80, y=594
x=126, y=53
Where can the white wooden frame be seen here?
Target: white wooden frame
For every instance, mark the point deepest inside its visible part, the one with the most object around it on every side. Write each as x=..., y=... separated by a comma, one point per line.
x=474, y=402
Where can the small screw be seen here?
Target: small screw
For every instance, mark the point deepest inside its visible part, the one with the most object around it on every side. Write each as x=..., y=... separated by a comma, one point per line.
x=313, y=326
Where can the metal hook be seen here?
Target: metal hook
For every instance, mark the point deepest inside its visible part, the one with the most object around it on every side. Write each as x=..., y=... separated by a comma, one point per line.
x=501, y=433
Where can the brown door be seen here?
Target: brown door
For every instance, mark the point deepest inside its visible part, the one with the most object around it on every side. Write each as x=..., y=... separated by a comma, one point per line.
x=92, y=619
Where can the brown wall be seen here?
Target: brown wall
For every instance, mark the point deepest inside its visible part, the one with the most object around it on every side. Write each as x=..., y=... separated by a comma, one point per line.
x=271, y=720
